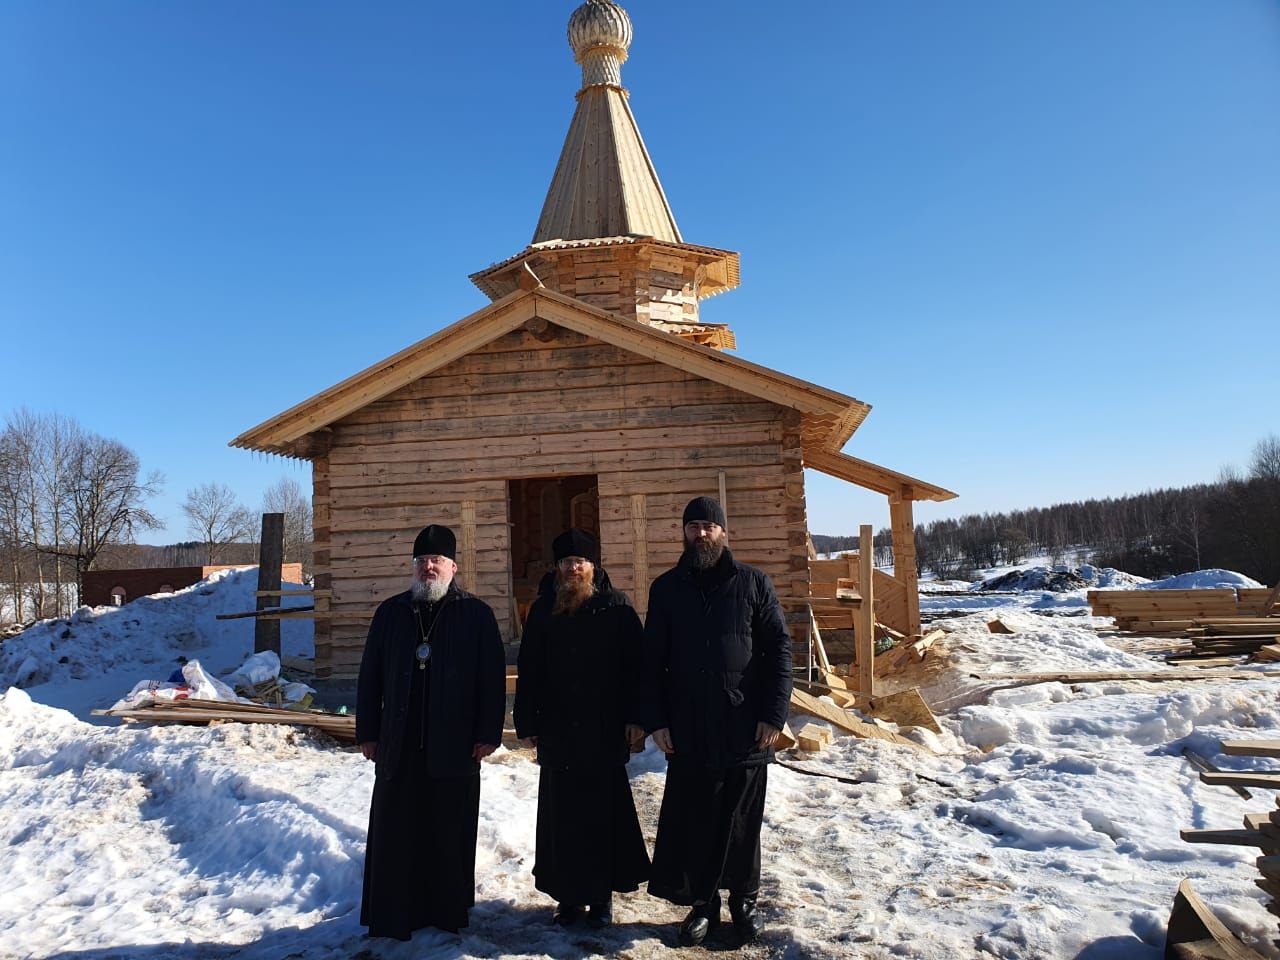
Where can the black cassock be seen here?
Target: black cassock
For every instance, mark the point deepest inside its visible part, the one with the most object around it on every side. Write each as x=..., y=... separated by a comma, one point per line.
x=717, y=661
x=420, y=857
x=573, y=693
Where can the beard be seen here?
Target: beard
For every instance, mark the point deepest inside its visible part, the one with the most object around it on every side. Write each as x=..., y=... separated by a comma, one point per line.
x=429, y=591
x=704, y=553
x=572, y=591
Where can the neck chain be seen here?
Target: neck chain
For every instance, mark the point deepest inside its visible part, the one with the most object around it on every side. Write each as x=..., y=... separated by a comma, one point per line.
x=423, y=651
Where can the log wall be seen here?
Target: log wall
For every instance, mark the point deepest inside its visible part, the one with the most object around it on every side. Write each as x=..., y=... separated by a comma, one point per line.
x=548, y=404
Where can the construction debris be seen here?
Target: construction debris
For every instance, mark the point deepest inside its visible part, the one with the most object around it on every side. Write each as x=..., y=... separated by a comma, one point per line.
x=838, y=718
x=999, y=626
x=813, y=738
x=339, y=726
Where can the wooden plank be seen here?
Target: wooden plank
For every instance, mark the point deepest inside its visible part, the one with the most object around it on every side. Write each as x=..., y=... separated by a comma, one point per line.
x=1269, y=780
x=1196, y=934
x=819, y=649
x=1233, y=838
x=1206, y=765
x=806, y=703
x=1251, y=748
x=1161, y=676
x=1269, y=605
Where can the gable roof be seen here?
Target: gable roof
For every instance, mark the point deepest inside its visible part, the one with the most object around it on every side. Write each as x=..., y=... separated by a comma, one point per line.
x=828, y=418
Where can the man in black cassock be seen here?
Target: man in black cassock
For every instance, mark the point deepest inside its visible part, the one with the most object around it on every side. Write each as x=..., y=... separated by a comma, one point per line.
x=717, y=684
x=578, y=661
x=430, y=703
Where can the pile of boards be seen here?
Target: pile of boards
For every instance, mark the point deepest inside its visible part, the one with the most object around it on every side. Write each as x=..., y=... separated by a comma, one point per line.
x=1175, y=611
x=1193, y=931
x=906, y=708
x=341, y=727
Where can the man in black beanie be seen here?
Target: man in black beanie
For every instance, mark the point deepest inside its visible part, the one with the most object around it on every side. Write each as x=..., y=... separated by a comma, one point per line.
x=430, y=703
x=578, y=660
x=716, y=688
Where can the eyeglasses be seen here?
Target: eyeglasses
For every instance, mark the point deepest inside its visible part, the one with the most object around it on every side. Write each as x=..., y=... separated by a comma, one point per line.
x=568, y=563
x=428, y=558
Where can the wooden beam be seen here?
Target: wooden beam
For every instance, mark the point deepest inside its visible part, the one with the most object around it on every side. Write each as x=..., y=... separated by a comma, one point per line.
x=873, y=477
x=865, y=635
x=266, y=630
x=1268, y=780
x=468, y=571
x=902, y=524
x=640, y=550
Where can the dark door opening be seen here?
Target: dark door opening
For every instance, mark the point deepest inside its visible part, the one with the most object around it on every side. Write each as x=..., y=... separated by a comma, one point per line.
x=542, y=508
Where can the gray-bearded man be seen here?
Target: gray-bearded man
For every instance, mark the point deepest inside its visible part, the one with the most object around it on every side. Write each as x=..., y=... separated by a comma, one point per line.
x=430, y=704
x=717, y=685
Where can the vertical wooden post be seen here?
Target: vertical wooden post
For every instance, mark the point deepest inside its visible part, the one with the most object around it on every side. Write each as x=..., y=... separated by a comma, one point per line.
x=724, y=502
x=468, y=565
x=904, y=556
x=266, y=632
x=865, y=635
x=640, y=551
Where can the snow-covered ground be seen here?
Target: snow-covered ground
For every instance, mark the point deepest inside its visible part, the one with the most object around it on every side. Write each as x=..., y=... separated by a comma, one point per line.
x=89, y=660
x=1042, y=823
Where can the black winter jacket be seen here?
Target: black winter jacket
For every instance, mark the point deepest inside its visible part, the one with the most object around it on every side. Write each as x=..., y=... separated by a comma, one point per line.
x=467, y=688
x=576, y=677
x=717, y=661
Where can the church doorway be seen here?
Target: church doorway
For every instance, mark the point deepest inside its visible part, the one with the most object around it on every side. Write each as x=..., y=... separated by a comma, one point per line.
x=542, y=508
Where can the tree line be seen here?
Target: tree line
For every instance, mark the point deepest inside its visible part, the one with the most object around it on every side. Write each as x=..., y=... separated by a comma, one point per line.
x=72, y=501
x=1233, y=522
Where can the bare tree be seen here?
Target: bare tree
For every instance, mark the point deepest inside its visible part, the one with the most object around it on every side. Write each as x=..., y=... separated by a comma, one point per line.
x=1265, y=464
x=217, y=518
x=286, y=496
x=107, y=501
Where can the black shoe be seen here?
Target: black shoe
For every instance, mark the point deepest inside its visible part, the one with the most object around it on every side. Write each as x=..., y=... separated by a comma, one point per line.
x=601, y=915
x=702, y=919
x=747, y=921
x=567, y=913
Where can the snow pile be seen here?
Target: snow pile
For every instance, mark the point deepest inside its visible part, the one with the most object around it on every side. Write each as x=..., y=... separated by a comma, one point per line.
x=1210, y=579
x=1061, y=579
x=88, y=660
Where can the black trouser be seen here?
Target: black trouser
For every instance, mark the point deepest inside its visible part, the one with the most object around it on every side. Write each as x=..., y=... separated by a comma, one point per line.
x=709, y=833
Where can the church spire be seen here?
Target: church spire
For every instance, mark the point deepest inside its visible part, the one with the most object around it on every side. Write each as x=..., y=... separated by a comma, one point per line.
x=607, y=236
x=605, y=184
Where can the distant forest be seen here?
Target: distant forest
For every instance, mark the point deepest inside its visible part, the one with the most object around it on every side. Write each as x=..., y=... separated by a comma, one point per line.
x=1232, y=523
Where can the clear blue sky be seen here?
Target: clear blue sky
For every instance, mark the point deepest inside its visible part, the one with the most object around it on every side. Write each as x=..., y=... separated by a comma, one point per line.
x=1042, y=239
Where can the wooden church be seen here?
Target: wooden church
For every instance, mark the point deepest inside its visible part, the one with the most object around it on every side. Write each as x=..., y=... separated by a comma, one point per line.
x=588, y=393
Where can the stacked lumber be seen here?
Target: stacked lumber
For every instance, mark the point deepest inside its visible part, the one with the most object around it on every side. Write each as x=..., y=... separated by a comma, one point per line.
x=1261, y=830
x=340, y=727
x=1174, y=611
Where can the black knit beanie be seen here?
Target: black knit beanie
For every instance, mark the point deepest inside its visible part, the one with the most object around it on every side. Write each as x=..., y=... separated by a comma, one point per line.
x=704, y=510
